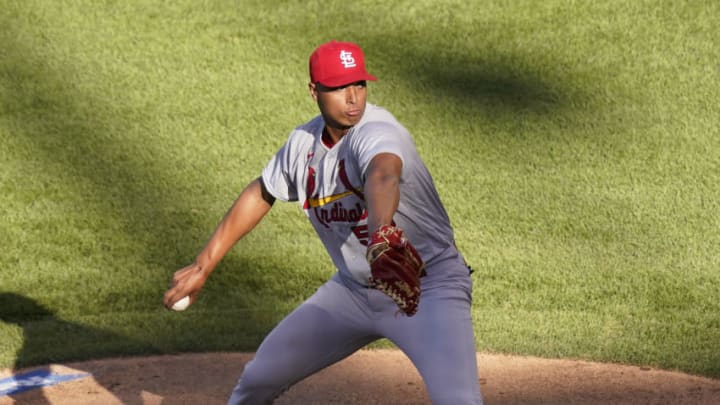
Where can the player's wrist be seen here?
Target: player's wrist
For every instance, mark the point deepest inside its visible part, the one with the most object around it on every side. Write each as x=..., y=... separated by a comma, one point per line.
x=202, y=266
x=382, y=225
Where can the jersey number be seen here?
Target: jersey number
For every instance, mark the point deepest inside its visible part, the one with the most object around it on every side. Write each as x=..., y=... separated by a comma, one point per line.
x=361, y=232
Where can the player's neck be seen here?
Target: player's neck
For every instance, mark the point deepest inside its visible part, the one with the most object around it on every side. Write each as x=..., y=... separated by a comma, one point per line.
x=331, y=136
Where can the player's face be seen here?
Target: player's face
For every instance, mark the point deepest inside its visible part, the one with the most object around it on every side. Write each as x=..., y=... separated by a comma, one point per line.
x=341, y=107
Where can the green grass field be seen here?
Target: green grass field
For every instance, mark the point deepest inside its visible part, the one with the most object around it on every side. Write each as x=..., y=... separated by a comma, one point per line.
x=575, y=145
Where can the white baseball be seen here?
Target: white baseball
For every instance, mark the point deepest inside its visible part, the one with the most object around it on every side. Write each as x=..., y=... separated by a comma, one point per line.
x=181, y=304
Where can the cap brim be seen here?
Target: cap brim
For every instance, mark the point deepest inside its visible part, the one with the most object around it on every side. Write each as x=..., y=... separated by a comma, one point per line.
x=347, y=79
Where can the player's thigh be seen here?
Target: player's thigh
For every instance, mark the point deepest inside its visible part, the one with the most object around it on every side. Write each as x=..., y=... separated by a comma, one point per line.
x=323, y=330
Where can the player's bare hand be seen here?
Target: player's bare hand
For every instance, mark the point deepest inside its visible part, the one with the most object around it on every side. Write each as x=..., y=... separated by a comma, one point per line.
x=187, y=281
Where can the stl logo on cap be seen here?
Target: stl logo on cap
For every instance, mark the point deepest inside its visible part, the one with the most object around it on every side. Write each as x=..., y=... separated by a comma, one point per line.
x=347, y=59
x=337, y=64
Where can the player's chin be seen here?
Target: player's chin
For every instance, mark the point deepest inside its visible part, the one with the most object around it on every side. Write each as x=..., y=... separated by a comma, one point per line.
x=345, y=124
x=349, y=121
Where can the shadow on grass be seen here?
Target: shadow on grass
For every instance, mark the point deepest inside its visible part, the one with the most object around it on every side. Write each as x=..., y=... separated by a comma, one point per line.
x=500, y=90
x=487, y=89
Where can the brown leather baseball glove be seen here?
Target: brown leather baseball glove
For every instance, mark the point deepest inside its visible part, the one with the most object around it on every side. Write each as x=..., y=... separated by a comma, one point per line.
x=396, y=267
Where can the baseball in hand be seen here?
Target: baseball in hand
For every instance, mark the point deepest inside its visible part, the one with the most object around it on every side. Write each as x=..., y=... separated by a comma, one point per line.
x=181, y=304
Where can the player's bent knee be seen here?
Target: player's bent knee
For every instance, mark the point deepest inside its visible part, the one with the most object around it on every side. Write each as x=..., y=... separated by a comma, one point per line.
x=245, y=393
x=256, y=387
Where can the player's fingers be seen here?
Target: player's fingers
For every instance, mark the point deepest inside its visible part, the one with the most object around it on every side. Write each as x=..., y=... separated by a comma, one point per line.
x=172, y=296
x=182, y=274
x=168, y=298
x=179, y=277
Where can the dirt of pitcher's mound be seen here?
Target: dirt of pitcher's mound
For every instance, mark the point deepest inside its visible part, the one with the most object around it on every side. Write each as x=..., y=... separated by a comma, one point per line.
x=367, y=377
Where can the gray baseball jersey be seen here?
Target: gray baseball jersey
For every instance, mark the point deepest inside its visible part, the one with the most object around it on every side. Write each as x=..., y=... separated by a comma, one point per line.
x=327, y=181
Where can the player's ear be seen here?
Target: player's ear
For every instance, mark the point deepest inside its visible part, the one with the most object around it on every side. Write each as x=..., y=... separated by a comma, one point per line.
x=312, y=87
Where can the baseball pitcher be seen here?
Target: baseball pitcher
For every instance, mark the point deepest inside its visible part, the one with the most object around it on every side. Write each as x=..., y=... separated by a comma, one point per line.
x=357, y=175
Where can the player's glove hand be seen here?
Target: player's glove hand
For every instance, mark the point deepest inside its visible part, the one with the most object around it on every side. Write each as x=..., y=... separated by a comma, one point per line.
x=395, y=267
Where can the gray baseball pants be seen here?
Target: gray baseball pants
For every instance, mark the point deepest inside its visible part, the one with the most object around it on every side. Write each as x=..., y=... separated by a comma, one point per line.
x=343, y=316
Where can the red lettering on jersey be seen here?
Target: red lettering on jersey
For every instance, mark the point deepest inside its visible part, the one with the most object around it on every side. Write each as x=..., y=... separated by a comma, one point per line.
x=338, y=213
x=330, y=208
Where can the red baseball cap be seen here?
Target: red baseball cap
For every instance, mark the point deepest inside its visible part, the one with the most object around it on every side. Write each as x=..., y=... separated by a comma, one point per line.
x=335, y=64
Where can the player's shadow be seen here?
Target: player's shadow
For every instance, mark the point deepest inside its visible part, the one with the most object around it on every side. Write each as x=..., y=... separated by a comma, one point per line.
x=42, y=328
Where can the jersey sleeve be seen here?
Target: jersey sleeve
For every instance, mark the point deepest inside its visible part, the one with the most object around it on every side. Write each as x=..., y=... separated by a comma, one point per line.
x=279, y=174
x=377, y=138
